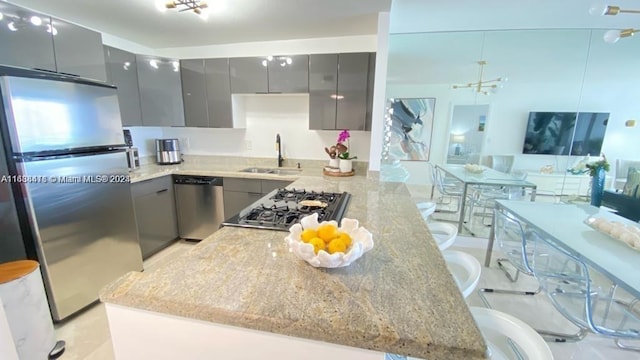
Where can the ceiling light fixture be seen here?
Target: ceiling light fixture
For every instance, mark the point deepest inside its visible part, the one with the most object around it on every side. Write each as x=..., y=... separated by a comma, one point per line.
x=185, y=5
x=482, y=86
x=613, y=36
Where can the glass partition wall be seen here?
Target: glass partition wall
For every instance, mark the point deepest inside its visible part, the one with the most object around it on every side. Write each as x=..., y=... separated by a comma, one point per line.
x=556, y=80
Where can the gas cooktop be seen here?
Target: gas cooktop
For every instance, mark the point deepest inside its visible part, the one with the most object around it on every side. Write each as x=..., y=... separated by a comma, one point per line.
x=282, y=208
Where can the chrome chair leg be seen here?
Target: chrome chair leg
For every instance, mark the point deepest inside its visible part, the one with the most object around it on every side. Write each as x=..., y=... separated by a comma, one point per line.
x=506, y=272
x=625, y=346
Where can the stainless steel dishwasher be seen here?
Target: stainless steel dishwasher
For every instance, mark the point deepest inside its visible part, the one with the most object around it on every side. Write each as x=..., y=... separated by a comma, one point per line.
x=199, y=205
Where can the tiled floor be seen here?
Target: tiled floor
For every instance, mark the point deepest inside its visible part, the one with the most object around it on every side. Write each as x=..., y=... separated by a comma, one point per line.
x=88, y=338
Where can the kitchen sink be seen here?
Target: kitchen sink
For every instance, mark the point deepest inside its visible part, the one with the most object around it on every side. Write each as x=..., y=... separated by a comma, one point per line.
x=275, y=171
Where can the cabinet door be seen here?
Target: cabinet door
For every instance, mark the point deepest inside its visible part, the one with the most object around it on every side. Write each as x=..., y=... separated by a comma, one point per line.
x=218, y=93
x=323, y=85
x=236, y=201
x=353, y=75
x=248, y=75
x=155, y=214
x=160, y=91
x=194, y=93
x=122, y=72
x=269, y=185
x=24, y=44
x=370, y=87
x=289, y=76
x=78, y=51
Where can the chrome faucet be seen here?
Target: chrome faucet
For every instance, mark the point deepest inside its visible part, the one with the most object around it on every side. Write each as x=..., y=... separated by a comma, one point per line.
x=279, y=148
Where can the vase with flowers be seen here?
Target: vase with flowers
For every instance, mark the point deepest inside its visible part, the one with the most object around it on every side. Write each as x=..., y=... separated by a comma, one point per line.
x=340, y=153
x=597, y=171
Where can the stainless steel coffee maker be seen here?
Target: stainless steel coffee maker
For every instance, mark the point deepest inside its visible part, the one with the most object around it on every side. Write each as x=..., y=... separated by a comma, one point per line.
x=168, y=151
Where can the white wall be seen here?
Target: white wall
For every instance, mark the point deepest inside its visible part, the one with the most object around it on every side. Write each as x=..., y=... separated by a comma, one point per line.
x=363, y=43
x=379, y=93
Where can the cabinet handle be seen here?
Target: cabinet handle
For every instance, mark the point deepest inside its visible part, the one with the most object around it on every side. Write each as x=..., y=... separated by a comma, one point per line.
x=161, y=191
x=254, y=193
x=68, y=74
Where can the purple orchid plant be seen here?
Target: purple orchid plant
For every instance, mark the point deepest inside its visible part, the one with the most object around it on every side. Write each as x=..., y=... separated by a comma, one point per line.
x=343, y=150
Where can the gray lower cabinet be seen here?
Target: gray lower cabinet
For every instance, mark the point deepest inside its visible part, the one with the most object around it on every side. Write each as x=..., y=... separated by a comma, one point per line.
x=78, y=51
x=23, y=43
x=122, y=72
x=239, y=193
x=160, y=91
x=155, y=210
x=340, y=91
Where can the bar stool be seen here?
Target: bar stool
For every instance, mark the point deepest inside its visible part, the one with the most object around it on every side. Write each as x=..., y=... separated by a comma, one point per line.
x=465, y=270
x=501, y=331
x=27, y=311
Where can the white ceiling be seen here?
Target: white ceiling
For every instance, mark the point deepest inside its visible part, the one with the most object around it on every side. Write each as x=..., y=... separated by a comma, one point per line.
x=239, y=21
x=411, y=16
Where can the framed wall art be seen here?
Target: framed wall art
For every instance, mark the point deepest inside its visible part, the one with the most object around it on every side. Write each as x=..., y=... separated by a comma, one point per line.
x=408, y=128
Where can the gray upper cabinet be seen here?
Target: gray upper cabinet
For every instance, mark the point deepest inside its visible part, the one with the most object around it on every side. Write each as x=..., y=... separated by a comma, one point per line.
x=323, y=86
x=248, y=75
x=206, y=92
x=160, y=91
x=353, y=76
x=194, y=93
x=288, y=74
x=219, y=103
x=122, y=72
x=23, y=43
x=340, y=90
x=78, y=51
x=370, y=87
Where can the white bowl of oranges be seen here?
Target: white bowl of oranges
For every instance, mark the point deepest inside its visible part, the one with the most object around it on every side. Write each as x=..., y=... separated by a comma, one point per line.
x=327, y=245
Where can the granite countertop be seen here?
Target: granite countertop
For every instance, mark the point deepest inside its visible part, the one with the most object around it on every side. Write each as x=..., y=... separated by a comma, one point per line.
x=231, y=166
x=398, y=298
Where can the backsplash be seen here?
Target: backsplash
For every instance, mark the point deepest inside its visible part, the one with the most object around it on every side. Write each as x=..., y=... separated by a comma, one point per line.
x=266, y=116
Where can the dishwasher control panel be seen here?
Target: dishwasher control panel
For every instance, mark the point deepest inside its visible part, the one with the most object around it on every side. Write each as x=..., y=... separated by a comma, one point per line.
x=197, y=180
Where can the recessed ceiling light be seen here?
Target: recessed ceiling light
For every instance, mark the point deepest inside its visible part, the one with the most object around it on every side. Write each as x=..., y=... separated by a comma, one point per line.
x=35, y=20
x=153, y=63
x=12, y=26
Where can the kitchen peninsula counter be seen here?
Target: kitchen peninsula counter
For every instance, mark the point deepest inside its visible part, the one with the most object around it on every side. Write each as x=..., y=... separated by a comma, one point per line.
x=397, y=298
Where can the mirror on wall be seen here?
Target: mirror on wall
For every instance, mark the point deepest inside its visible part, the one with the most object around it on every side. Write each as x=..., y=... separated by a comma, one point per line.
x=466, y=135
x=555, y=71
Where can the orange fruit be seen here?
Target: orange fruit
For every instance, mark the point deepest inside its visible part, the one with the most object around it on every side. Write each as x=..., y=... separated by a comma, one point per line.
x=346, y=239
x=336, y=245
x=308, y=234
x=327, y=232
x=318, y=244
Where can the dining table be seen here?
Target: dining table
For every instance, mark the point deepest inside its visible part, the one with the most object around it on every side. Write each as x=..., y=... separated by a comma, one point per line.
x=568, y=227
x=483, y=176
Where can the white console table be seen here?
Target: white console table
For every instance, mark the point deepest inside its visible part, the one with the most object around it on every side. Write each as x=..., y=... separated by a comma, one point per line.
x=559, y=184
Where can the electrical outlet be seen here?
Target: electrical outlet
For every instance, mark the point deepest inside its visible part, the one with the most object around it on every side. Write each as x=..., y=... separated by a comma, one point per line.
x=248, y=145
x=185, y=142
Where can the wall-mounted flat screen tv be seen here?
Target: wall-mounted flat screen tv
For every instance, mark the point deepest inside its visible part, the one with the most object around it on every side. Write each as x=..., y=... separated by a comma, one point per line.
x=565, y=133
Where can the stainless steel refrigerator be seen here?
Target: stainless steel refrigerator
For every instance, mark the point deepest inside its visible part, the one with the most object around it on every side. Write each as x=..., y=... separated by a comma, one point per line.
x=65, y=198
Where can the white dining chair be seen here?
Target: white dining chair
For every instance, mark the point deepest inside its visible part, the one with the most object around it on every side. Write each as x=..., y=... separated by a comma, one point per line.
x=444, y=234
x=465, y=269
